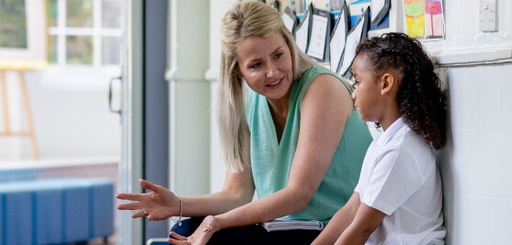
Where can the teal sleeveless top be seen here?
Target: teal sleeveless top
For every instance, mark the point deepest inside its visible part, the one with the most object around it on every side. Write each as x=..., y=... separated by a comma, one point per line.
x=271, y=160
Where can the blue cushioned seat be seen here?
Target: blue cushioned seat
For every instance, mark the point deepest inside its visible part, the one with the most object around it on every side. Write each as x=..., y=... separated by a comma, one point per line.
x=55, y=211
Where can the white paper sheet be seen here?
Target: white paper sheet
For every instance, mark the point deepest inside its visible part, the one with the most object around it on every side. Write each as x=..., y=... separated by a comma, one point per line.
x=288, y=22
x=283, y=225
x=301, y=34
x=377, y=6
x=350, y=49
x=338, y=40
x=318, y=35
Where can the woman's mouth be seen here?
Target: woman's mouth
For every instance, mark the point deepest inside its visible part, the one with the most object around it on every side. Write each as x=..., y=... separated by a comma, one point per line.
x=274, y=83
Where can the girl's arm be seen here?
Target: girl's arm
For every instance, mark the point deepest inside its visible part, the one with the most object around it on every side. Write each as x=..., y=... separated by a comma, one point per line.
x=365, y=222
x=325, y=108
x=352, y=224
x=339, y=222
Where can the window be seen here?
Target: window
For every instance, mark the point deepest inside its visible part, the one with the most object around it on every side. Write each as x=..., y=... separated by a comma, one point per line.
x=86, y=33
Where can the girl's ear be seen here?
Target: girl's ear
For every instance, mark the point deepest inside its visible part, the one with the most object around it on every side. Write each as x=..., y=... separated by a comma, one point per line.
x=388, y=83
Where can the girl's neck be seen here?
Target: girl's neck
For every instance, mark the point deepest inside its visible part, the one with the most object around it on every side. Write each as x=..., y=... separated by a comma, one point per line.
x=390, y=117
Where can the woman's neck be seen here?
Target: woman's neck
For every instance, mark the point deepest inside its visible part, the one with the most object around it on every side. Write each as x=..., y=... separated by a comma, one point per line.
x=279, y=112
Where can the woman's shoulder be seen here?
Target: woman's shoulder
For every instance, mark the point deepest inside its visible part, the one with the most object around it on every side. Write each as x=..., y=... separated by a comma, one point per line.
x=318, y=72
x=313, y=74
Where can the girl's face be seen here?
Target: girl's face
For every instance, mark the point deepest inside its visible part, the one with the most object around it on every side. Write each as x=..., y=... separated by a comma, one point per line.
x=367, y=92
x=266, y=65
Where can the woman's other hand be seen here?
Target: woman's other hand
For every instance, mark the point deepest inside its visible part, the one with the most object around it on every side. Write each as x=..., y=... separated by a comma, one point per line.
x=200, y=237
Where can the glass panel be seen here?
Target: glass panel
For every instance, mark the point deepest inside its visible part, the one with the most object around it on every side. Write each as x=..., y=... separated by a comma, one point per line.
x=111, y=52
x=52, y=15
x=79, y=13
x=79, y=50
x=53, y=55
x=111, y=14
x=13, y=25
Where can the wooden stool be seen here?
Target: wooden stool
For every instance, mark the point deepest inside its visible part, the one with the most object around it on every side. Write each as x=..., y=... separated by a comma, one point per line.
x=29, y=132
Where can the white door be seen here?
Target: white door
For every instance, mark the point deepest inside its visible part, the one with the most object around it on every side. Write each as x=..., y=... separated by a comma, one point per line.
x=130, y=168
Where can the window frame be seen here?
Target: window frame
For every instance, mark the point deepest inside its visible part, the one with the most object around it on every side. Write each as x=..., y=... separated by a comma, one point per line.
x=96, y=31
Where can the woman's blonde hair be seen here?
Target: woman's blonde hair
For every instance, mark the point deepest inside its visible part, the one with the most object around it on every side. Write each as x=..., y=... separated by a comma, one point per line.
x=246, y=19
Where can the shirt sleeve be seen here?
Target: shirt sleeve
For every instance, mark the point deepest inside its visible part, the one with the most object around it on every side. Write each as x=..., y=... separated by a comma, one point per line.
x=395, y=179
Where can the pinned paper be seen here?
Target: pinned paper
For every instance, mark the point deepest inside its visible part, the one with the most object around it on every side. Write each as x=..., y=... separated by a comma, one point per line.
x=414, y=11
x=434, y=19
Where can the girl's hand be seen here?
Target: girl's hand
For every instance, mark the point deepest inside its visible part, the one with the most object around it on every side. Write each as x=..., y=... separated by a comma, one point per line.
x=156, y=205
x=200, y=237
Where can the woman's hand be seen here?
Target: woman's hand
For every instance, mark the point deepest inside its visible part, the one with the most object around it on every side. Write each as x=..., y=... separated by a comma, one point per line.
x=200, y=237
x=156, y=205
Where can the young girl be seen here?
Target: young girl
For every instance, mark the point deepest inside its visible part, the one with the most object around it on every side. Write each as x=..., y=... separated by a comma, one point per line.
x=398, y=199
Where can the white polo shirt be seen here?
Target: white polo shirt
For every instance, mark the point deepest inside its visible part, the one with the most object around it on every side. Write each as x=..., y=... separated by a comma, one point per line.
x=400, y=178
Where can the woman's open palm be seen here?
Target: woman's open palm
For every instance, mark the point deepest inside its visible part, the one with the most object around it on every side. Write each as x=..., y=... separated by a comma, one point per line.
x=156, y=204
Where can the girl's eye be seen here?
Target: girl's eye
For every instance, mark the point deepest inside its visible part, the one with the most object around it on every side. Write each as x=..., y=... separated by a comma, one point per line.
x=355, y=83
x=278, y=56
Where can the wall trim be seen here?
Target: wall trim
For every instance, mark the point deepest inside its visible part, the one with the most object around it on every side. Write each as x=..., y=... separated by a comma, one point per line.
x=474, y=57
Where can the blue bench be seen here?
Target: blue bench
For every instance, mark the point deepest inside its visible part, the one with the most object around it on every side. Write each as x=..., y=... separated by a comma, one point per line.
x=55, y=211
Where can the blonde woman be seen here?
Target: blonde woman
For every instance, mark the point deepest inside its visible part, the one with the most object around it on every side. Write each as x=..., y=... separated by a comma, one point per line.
x=289, y=132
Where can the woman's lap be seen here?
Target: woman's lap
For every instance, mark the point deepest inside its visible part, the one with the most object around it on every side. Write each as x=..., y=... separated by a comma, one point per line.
x=248, y=235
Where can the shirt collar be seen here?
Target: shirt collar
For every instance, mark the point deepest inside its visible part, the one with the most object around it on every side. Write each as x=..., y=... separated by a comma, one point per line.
x=388, y=134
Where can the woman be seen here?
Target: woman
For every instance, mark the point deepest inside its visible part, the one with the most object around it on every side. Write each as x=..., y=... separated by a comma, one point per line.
x=288, y=131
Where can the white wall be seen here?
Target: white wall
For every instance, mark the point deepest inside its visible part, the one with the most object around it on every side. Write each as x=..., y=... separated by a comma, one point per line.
x=462, y=27
x=189, y=94
x=475, y=164
x=217, y=11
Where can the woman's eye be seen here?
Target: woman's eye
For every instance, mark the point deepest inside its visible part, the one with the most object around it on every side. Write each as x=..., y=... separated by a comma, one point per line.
x=279, y=55
x=255, y=65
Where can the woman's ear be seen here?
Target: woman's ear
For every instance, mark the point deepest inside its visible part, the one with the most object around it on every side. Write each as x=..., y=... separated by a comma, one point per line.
x=238, y=73
x=388, y=83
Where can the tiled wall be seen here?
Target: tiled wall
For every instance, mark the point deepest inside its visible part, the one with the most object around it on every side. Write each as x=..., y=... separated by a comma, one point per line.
x=476, y=164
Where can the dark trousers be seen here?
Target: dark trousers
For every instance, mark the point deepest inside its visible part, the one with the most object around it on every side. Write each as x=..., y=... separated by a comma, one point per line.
x=249, y=235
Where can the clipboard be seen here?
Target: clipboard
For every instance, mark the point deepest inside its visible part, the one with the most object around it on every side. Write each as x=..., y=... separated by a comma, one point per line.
x=319, y=34
x=302, y=31
x=338, y=38
x=358, y=32
x=290, y=20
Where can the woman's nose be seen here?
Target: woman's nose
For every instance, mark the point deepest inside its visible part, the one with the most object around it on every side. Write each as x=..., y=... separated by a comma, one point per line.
x=271, y=70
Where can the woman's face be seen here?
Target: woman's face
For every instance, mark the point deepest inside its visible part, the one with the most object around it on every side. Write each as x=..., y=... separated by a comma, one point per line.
x=367, y=93
x=266, y=65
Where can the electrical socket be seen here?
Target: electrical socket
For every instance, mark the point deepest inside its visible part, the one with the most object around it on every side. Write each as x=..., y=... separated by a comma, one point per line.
x=488, y=16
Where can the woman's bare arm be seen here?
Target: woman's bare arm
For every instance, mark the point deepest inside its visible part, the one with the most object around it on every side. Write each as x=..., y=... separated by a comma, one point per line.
x=325, y=109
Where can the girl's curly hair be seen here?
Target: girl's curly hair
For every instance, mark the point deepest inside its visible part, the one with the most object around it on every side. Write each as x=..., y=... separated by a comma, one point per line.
x=420, y=99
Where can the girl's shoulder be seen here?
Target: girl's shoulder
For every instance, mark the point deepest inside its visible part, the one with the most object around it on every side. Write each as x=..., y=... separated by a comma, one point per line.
x=407, y=145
